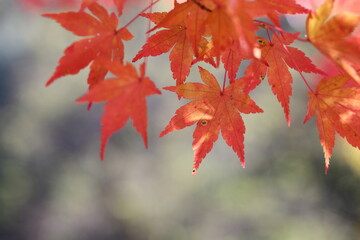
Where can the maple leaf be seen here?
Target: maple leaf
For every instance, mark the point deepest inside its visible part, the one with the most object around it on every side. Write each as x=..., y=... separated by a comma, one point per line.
x=182, y=36
x=213, y=110
x=232, y=58
x=338, y=6
x=125, y=98
x=173, y=38
x=244, y=26
x=104, y=42
x=176, y=16
x=187, y=27
x=221, y=28
x=278, y=57
x=181, y=55
x=227, y=22
x=337, y=109
x=332, y=36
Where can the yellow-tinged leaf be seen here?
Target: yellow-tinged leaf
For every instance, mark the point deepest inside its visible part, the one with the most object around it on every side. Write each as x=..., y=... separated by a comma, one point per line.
x=333, y=37
x=337, y=109
x=214, y=110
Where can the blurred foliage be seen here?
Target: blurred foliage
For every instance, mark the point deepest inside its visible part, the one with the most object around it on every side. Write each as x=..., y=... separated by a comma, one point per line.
x=53, y=186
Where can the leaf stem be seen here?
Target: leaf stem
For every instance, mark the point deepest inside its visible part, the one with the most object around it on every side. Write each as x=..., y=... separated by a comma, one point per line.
x=138, y=15
x=269, y=37
x=278, y=29
x=224, y=82
x=147, y=33
x=302, y=39
x=270, y=25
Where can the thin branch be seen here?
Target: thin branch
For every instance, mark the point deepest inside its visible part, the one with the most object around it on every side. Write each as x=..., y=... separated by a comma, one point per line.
x=269, y=37
x=225, y=74
x=147, y=33
x=224, y=82
x=138, y=15
x=266, y=24
x=201, y=6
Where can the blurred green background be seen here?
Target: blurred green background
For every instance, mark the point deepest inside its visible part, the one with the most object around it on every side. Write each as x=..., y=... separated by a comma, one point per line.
x=54, y=187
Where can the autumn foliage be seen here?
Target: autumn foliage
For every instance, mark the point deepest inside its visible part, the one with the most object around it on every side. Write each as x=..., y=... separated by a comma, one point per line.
x=220, y=34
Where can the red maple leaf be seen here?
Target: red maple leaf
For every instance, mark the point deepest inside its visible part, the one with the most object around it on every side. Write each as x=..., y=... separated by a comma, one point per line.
x=187, y=30
x=232, y=58
x=228, y=22
x=125, y=98
x=175, y=38
x=278, y=57
x=213, y=110
x=337, y=109
x=104, y=43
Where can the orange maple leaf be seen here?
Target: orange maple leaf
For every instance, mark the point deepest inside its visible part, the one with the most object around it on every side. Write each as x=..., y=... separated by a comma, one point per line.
x=337, y=109
x=104, y=44
x=228, y=22
x=173, y=39
x=276, y=58
x=332, y=36
x=176, y=38
x=189, y=26
x=214, y=109
x=232, y=58
x=125, y=98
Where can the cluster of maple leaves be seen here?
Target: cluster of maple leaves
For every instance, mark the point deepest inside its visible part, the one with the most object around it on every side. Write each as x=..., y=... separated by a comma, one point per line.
x=221, y=33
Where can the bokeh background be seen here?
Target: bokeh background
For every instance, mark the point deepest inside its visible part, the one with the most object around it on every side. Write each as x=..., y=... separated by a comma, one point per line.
x=54, y=187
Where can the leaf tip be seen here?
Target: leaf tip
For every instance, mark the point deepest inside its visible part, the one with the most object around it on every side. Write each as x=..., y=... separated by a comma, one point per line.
x=102, y=153
x=48, y=15
x=194, y=171
x=171, y=88
x=327, y=164
x=89, y=106
x=242, y=161
x=146, y=142
x=104, y=139
x=137, y=57
x=82, y=100
x=50, y=81
x=165, y=131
